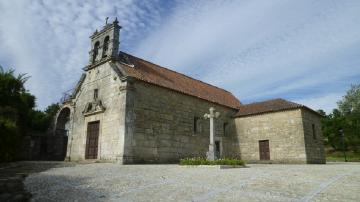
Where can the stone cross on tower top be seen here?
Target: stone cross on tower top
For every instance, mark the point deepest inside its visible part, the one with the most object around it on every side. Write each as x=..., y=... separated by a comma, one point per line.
x=105, y=43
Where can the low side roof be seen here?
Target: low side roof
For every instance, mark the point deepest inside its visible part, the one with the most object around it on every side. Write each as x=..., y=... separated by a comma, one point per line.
x=269, y=106
x=155, y=74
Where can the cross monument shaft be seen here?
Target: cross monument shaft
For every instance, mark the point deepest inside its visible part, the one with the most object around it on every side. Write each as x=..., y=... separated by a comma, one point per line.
x=212, y=115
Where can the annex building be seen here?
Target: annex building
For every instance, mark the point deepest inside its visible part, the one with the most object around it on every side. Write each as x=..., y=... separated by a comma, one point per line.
x=129, y=110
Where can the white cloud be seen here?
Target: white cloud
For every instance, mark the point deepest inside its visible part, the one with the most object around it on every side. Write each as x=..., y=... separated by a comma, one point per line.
x=49, y=40
x=300, y=50
x=326, y=103
x=262, y=49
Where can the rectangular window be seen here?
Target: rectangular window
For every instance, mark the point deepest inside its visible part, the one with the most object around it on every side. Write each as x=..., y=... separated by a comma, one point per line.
x=217, y=150
x=313, y=131
x=196, y=124
x=225, y=130
x=96, y=93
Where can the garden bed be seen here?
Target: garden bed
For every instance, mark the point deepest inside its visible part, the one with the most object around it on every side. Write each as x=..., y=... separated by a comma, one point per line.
x=219, y=163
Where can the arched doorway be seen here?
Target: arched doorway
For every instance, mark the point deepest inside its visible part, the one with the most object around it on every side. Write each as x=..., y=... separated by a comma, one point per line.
x=61, y=133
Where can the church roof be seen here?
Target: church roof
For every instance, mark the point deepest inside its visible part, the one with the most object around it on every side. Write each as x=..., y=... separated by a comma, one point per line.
x=160, y=76
x=268, y=106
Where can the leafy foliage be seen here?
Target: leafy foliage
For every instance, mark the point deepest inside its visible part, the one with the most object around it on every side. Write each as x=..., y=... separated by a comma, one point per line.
x=15, y=104
x=17, y=114
x=41, y=120
x=351, y=101
x=347, y=118
x=202, y=161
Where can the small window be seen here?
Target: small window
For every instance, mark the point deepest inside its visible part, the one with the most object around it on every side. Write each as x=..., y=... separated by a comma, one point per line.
x=313, y=131
x=225, y=128
x=96, y=94
x=197, y=125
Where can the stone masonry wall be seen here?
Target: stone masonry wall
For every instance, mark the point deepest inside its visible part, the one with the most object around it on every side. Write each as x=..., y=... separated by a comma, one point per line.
x=313, y=139
x=112, y=93
x=164, y=126
x=284, y=130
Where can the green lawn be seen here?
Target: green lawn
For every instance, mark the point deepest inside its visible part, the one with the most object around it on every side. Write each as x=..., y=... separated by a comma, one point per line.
x=339, y=156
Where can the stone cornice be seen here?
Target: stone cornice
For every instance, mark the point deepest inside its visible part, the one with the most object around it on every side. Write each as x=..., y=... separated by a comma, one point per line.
x=94, y=112
x=105, y=28
x=102, y=61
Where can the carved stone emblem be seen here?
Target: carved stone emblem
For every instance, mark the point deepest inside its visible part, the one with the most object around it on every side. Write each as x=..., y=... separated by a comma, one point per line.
x=93, y=107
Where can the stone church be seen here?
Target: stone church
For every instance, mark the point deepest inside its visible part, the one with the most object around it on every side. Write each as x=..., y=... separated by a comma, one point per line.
x=129, y=110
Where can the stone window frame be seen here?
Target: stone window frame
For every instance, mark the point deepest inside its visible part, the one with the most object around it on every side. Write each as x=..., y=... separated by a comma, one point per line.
x=96, y=94
x=225, y=128
x=197, y=125
x=313, y=131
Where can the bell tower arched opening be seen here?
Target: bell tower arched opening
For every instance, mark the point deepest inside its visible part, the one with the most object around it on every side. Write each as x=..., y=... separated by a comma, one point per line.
x=95, y=51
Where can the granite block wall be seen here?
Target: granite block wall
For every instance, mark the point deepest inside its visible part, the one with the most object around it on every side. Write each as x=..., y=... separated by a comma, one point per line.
x=163, y=129
x=314, y=145
x=290, y=135
x=284, y=130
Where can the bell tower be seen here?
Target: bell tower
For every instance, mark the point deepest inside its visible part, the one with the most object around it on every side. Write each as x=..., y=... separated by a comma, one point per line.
x=105, y=43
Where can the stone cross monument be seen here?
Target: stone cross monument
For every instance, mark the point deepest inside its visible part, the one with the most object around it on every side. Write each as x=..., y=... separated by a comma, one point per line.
x=211, y=153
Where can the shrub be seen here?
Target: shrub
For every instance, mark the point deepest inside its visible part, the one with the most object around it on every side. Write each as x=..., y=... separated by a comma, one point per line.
x=202, y=161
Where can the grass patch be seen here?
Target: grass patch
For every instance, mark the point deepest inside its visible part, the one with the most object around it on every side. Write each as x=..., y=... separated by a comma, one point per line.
x=351, y=156
x=202, y=161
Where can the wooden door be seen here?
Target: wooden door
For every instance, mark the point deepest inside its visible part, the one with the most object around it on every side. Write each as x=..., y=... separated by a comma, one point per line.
x=264, y=150
x=92, y=140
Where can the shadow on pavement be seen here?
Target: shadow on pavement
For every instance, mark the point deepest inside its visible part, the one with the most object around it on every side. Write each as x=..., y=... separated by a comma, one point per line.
x=47, y=187
x=12, y=176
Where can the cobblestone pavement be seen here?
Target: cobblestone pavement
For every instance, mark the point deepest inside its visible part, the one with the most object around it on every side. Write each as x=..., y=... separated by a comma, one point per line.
x=12, y=176
x=114, y=182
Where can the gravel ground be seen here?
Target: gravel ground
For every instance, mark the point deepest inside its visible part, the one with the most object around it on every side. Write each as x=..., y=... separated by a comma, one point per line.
x=114, y=182
x=13, y=174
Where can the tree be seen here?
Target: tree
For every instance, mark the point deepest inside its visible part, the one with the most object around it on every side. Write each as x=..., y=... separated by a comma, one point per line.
x=350, y=109
x=331, y=124
x=18, y=117
x=351, y=101
x=347, y=118
x=15, y=104
x=40, y=121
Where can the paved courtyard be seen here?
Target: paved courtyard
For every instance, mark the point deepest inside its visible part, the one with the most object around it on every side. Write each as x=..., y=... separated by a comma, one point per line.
x=114, y=182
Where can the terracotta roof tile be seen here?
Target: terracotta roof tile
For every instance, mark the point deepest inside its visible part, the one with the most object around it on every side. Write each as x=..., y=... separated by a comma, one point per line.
x=155, y=74
x=267, y=107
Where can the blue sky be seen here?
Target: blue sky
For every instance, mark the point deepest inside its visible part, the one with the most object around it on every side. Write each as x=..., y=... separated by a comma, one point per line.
x=306, y=51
